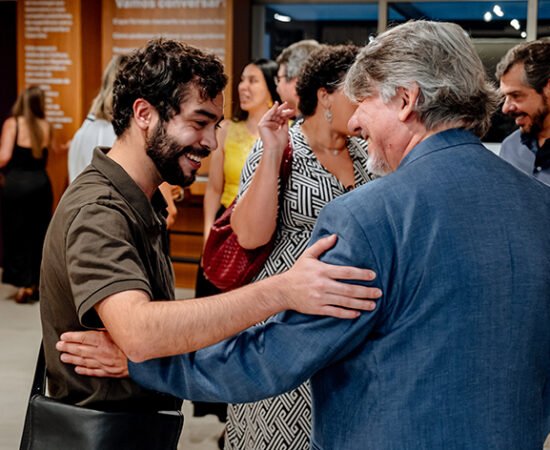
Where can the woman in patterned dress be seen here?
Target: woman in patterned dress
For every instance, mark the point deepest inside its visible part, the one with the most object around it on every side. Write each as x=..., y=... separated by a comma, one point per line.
x=326, y=163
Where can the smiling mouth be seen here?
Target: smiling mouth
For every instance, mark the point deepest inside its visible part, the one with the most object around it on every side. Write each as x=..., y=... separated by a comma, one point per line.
x=195, y=158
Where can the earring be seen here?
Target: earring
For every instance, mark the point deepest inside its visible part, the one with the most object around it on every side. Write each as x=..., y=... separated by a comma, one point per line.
x=328, y=115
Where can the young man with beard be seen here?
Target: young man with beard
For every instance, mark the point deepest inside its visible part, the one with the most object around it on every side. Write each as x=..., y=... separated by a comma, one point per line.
x=524, y=74
x=106, y=262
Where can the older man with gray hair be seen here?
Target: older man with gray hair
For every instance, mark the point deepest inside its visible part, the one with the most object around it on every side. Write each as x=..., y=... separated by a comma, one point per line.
x=290, y=61
x=455, y=355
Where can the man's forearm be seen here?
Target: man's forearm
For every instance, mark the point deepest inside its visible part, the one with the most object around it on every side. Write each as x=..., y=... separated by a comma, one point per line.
x=144, y=329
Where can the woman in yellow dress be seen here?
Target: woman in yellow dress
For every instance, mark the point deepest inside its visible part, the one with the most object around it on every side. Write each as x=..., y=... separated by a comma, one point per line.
x=236, y=137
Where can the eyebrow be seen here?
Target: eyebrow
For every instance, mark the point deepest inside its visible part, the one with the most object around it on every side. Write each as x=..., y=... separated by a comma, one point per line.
x=514, y=92
x=206, y=113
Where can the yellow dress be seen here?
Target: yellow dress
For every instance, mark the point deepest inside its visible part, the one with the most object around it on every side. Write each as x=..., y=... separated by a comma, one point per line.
x=238, y=143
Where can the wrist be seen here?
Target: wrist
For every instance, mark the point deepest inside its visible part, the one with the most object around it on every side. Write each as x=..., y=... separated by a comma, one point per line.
x=276, y=293
x=274, y=153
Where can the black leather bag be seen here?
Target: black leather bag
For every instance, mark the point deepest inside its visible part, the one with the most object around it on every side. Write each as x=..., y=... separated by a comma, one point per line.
x=52, y=425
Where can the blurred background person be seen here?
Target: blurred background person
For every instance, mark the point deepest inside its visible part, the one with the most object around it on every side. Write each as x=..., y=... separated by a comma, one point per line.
x=257, y=93
x=97, y=131
x=290, y=61
x=26, y=192
x=326, y=163
x=524, y=75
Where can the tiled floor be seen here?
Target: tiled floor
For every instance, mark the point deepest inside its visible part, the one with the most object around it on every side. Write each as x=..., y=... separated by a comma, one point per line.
x=19, y=340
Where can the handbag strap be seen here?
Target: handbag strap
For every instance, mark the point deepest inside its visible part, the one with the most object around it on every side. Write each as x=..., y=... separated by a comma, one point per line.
x=286, y=166
x=39, y=381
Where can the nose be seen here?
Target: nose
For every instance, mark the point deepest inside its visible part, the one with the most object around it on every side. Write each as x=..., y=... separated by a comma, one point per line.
x=353, y=124
x=243, y=84
x=209, y=139
x=508, y=106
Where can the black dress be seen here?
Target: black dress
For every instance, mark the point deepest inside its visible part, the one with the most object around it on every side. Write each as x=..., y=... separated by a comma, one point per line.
x=26, y=212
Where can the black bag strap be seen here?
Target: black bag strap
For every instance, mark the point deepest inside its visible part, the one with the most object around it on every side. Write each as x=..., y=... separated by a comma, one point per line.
x=38, y=387
x=39, y=381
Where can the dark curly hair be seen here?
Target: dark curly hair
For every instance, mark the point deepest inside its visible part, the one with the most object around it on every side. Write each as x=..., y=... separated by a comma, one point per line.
x=325, y=68
x=269, y=71
x=162, y=73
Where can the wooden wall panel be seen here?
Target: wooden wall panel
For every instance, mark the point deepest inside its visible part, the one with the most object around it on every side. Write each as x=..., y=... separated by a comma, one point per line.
x=207, y=24
x=52, y=52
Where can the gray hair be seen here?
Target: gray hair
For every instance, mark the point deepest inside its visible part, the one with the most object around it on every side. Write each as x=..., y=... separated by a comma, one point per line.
x=535, y=57
x=437, y=57
x=295, y=55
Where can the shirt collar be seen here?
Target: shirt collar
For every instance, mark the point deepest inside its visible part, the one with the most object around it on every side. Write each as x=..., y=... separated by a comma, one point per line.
x=440, y=141
x=149, y=211
x=529, y=141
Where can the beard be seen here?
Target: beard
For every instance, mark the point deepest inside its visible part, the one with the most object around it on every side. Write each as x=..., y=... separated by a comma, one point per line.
x=378, y=166
x=537, y=120
x=165, y=152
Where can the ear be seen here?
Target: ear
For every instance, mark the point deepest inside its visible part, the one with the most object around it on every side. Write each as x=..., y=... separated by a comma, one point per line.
x=144, y=113
x=407, y=98
x=323, y=98
x=546, y=89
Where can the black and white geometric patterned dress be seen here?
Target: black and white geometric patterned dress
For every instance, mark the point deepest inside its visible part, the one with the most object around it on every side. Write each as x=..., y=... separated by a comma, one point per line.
x=284, y=422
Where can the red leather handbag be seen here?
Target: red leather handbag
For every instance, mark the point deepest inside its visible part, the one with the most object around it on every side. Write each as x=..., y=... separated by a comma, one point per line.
x=225, y=263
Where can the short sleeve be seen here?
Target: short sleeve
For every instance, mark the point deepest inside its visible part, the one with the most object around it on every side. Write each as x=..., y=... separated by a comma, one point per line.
x=102, y=259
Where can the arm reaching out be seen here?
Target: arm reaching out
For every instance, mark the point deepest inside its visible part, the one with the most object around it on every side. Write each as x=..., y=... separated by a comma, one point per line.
x=252, y=229
x=309, y=287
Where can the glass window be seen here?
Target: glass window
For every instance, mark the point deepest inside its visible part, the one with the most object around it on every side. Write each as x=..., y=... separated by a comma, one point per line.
x=483, y=19
x=332, y=23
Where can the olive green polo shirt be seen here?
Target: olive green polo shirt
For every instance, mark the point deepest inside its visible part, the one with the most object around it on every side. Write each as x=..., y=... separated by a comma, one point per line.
x=105, y=237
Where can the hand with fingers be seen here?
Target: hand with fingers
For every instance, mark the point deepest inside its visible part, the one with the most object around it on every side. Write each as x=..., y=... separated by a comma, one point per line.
x=273, y=127
x=314, y=287
x=93, y=353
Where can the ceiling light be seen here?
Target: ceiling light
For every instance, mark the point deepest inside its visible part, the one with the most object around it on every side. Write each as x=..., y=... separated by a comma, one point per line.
x=282, y=18
x=498, y=10
x=515, y=24
x=487, y=17
x=523, y=34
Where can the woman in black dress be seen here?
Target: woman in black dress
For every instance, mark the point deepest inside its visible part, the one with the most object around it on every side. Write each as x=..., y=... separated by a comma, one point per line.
x=26, y=191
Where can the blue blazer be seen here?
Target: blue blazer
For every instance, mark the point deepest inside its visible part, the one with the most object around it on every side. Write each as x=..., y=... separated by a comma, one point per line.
x=456, y=354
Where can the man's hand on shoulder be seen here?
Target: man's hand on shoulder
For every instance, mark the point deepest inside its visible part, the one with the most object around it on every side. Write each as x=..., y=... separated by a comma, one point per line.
x=314, y=287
